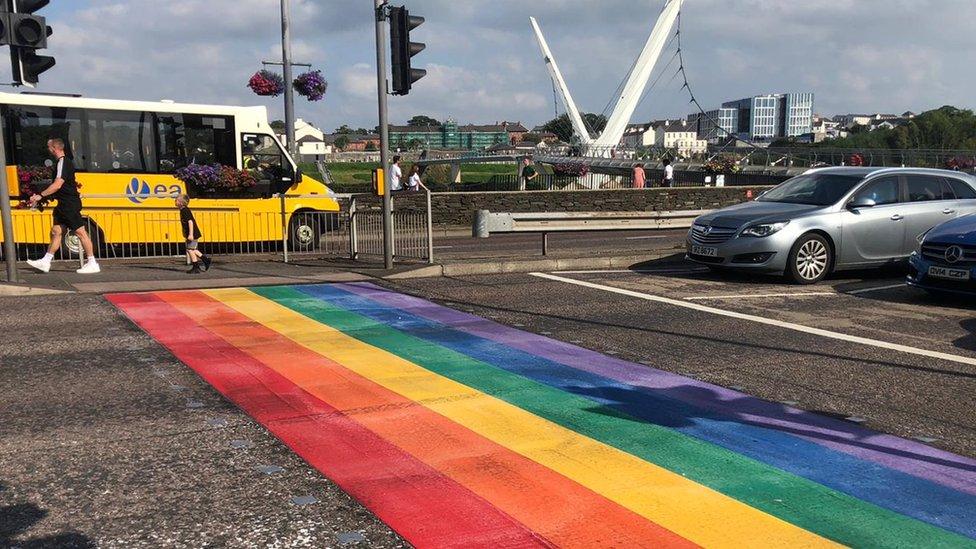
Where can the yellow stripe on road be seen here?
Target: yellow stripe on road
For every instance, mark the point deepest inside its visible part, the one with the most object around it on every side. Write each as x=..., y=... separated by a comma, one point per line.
x=691, y=510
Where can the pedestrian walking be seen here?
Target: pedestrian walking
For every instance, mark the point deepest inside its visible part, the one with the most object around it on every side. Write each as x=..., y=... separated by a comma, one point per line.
x=396, y=175
x=192, y=234
x=414, y=183
x=67, y=214
x=529, y=172
x=668, y=174
x=640, y=176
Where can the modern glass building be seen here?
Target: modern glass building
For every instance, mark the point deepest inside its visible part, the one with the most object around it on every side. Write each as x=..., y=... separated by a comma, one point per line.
x=715, y=124
x=451, y=136
x=760, y=118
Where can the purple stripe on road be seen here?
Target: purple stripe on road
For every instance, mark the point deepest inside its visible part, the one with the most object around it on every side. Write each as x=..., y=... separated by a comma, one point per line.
x=897, y=453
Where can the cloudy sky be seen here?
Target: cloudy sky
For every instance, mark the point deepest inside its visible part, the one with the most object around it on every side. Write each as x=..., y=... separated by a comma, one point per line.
x=483, y=64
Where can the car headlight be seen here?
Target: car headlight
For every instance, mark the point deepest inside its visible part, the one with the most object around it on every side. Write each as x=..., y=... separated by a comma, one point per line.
x=918, y=241
x=764, y=229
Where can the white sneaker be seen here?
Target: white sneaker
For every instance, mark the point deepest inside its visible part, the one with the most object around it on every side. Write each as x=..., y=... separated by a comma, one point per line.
x=91, y=267
x=40, y=265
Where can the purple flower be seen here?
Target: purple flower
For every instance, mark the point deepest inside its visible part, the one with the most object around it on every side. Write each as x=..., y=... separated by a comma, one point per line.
x=311, y=85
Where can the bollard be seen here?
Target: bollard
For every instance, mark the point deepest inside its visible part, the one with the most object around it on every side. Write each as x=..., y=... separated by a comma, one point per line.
x=480, y=227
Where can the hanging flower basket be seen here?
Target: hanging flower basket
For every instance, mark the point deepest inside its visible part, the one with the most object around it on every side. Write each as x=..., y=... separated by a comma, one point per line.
x=311, y=85
x=857, y=159
x=267, y=83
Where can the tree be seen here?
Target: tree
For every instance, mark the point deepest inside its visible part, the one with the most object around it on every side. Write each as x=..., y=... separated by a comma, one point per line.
x=342, y=142
x=343, y=129
x=278, y=125
x=563, y=128
x=423, y=120
x=370, y=146
x=415, y=144
x=363, y=131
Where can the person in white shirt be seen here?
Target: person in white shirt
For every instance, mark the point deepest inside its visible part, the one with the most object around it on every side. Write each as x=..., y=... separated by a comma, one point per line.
x=668, y=174
x=396, y=175
x=414, y=183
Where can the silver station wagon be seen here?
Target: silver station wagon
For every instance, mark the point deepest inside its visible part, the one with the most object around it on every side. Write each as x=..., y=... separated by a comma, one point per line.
x=831, y=219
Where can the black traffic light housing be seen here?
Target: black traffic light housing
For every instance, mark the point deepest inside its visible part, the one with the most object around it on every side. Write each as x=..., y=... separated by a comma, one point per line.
x=404, y=75
x=25, y=33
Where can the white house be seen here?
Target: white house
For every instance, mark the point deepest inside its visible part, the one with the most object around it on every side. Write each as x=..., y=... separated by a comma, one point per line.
x=311, y=140
x=680, y=136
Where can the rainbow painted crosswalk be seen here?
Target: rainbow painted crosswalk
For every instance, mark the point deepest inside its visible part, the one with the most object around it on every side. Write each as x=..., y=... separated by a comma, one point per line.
x=457, y=431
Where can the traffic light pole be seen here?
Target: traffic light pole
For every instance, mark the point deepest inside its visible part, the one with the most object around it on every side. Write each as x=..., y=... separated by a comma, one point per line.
x=384, y=131
x=286, y=69
x=9, y=249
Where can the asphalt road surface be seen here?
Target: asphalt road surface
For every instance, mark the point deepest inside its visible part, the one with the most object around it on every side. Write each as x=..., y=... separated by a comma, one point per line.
x=912, y=394
x=107, y=440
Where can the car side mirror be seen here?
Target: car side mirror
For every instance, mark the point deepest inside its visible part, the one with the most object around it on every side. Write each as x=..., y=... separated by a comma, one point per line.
x=862, y=202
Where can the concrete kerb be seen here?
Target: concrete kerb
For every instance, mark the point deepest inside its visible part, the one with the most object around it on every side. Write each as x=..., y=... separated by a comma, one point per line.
x=510, y=266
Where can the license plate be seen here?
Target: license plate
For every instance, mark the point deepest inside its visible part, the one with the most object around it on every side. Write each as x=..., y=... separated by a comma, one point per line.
x=705, y=251
x=951, y=274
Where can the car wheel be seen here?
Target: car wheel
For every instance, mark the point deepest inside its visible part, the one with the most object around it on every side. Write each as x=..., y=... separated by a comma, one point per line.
x=810, y=259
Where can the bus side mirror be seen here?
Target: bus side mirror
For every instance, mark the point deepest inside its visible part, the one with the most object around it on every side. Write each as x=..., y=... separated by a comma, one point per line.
x=299, y=175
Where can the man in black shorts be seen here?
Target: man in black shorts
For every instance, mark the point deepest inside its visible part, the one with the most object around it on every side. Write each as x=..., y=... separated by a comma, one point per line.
x=67, y=214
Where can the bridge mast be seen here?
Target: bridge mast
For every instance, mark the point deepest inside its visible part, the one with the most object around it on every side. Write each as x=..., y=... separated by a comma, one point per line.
x=639, y=77
x=574, y=115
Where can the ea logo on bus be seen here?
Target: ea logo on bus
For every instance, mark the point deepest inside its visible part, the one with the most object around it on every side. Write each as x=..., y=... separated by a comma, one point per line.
x=137, y=191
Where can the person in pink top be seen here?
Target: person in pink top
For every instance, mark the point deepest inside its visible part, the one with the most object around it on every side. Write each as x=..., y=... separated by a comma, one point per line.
x=639, y=176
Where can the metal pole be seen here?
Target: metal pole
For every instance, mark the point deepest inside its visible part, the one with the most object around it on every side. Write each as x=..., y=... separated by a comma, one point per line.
x=430, y=230
x=353, y=237
x=284, y=228
x=286, y=69
x=9, y=248
x=384, y=131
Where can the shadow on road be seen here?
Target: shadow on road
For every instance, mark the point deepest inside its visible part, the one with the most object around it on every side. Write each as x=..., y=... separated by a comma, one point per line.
x=689, y=405
x=17, y=520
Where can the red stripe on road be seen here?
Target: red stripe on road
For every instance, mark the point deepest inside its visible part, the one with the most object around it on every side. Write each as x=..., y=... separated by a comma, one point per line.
x=418, y=502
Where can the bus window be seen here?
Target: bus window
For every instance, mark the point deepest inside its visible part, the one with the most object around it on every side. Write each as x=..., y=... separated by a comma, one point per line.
x=120, y=141
x=195, y=139
x=264, y=158
x=31, y=127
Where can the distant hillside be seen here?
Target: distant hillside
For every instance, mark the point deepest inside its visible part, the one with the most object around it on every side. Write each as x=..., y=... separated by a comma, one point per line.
x=944, y=128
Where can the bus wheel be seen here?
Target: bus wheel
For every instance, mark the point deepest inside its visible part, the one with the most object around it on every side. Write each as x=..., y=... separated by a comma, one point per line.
x=71, y=244
x=304, y=232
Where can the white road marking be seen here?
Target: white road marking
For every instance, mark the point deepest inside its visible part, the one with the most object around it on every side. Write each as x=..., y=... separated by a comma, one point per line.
x=748, y=296
x=767, y=321
x=639, y=271
x=878, y=289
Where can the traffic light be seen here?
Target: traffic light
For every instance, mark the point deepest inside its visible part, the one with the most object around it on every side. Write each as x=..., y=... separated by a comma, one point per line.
x=26, y=33
x=401, y=23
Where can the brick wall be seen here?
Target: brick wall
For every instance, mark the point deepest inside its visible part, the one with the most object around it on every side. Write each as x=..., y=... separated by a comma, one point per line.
x=459, y=208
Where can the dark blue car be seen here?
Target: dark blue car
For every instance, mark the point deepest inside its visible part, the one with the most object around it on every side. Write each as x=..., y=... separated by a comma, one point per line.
x=945, y=261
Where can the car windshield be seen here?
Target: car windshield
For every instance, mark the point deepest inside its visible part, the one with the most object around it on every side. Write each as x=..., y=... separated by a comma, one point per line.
x=817, y=189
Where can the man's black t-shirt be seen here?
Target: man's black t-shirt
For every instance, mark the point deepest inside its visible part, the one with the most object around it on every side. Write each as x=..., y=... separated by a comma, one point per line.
x=528, y=172
x=185, y=217
x=67, y=195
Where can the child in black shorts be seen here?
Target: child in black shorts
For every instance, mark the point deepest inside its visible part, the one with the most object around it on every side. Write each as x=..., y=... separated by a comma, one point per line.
x=192, y=234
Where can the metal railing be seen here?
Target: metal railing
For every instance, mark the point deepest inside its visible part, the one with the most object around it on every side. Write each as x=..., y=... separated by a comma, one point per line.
x=353, y=232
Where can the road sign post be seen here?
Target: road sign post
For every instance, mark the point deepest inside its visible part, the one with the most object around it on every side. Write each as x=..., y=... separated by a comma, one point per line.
x=9, y=247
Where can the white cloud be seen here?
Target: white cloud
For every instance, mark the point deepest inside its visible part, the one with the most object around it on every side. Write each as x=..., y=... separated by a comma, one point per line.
x=483, y=63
